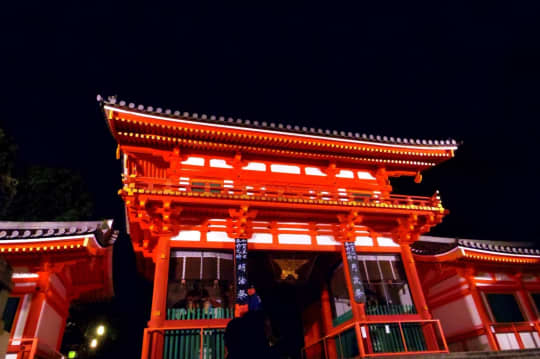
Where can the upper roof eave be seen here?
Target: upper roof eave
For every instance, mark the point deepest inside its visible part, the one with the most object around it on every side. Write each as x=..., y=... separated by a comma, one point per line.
x=429, y=246
x=17, y=230
x=339, y=136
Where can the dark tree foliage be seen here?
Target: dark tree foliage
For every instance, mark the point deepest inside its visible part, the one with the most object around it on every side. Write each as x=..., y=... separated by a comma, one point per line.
x=8, y=184
x=39, y=193
x=53, y=194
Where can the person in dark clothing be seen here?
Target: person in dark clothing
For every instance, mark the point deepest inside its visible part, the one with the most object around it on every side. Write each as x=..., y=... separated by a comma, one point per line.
x=254, y=301
x=246, y=337
x=233, y=338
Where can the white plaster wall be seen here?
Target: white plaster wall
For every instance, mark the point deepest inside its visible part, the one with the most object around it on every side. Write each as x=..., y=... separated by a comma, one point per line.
x=507, y=341
x=442, y=286
x=261, y=238
x=458, y=315
x=456, y=347
x=530, y=340
x=218, y=237
x=49, y=326
x=58, y=285
x=23, y=315
x=502, y=277
x=479, y=343
x=386, y=242
x=294, y=238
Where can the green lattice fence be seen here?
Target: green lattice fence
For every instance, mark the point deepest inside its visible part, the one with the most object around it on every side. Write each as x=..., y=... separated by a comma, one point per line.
x=414, y=337
x=346, y=344
x=199, y=313
x=390, y=309
x=386, y=338
x=186, y=344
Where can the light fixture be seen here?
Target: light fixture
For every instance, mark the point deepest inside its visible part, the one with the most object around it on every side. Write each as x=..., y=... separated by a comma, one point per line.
x=100, y=330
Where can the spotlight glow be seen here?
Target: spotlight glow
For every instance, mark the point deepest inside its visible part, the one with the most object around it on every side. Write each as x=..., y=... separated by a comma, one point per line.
x=100, y=330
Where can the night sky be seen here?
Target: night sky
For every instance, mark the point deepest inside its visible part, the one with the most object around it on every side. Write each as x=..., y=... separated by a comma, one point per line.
x=464, y=71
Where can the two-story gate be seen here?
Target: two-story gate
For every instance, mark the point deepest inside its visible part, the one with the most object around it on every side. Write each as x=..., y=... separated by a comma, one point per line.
x=214, y=203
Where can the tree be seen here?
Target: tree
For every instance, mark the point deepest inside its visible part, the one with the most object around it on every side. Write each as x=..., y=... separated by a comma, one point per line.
x=54, y=194
x=39, y=193
x=8, y=184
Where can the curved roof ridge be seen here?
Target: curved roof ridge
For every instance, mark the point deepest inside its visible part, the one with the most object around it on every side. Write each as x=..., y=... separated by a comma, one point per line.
x=264, y=125
x=519, y=244
x=428, y=245
x=102, y=230
x=11, y=225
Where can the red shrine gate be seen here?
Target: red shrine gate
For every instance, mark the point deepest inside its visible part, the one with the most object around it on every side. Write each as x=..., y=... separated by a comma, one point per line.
x=54, y=264
x=194, y=186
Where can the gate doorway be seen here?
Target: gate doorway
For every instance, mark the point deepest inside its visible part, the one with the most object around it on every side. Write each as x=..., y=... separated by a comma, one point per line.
x=287, y=283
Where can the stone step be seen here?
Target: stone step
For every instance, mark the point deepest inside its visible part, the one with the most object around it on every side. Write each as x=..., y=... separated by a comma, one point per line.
x=503, y=354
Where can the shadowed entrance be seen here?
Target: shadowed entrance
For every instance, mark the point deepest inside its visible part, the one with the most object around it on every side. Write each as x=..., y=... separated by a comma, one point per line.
x=287, y=283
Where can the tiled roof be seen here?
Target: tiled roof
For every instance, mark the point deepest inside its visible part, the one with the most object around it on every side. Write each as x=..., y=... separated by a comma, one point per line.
x=436, y=245
x=35, y=230
x=168, y=113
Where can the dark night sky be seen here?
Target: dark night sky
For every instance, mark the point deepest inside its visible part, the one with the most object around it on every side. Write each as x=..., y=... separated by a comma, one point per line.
x=465, y=71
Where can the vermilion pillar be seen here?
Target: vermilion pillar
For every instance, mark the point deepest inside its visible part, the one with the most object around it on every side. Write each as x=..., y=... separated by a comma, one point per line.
x=414, y=281
x=469, y=276
x=358, y=310
x=418, y=294
x=326, y=310
x=524, y=298
x=159, y=298
x=326, y=313
x=38, y=300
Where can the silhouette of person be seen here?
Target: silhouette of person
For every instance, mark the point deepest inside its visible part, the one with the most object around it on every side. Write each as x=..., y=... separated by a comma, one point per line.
x=247, y=337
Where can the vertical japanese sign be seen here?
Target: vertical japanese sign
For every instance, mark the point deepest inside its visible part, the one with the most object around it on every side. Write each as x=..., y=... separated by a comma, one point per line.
x=240, y=263
x=354, y=272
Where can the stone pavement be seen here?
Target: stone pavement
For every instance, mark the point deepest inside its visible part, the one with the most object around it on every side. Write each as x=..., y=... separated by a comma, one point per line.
x=505, y=354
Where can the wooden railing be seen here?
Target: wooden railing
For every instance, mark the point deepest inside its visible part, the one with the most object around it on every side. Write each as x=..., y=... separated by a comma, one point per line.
x=247, y=188
x=379, y=338
x=516, y=335
x=31, y=348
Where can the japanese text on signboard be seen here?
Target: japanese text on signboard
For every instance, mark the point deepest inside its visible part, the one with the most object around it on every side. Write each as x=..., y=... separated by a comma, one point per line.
x=240, y=262
x=354, y=271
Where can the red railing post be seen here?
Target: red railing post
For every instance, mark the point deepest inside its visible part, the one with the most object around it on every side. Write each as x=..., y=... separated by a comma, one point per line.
x=360, y=340
x=403, y=337
x=491, y=333
x=145, y=344
x=445, y=345
x=369, y=345
x=435, y=327
x=537, y=327
x=518, y=337
x=33, y=348
x=202, y=344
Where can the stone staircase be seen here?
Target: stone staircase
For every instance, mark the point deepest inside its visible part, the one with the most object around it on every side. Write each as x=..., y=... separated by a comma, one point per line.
x=504, y=354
